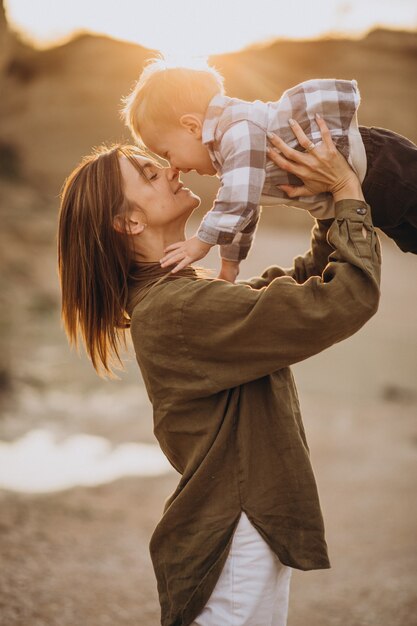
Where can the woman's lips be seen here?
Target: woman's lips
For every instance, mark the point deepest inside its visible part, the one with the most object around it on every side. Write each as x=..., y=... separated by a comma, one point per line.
x=181, y=188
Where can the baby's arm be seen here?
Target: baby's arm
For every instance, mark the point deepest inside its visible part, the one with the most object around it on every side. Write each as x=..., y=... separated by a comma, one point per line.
x=243, y=151
x=232, y=221
x=236, y=209
x=238, y=249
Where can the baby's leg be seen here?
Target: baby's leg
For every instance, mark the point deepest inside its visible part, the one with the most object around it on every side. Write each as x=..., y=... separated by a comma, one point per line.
x=390, y=185
x=404, y=235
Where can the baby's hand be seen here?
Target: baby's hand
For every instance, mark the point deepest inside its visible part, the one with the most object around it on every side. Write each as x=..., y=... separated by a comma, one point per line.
x=184, y=252
x=229, y=270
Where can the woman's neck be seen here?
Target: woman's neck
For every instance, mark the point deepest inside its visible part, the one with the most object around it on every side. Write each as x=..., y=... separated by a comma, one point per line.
x=150, y=245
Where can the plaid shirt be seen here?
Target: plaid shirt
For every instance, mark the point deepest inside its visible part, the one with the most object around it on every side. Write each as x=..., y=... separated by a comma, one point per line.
x=235, y=133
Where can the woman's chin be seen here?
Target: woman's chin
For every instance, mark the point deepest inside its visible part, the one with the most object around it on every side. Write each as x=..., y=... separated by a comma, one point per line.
x=191, y=208
x=195, y=200
x=189, y=203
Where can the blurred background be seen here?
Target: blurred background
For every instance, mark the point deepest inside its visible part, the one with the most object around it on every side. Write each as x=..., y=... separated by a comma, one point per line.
x=82, y=483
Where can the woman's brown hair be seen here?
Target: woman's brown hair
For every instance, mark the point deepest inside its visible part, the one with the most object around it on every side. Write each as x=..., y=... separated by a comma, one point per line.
x=93, y=258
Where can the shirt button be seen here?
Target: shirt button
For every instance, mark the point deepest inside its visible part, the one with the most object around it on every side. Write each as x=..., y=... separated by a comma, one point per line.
x=361, y=211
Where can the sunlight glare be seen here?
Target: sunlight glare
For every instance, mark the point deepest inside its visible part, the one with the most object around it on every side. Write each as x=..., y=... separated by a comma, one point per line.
x=37, y=463
x=174, y=58
x=191, y=28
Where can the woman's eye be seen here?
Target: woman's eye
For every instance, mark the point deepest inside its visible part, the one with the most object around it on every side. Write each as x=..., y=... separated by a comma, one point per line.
x=151, y=174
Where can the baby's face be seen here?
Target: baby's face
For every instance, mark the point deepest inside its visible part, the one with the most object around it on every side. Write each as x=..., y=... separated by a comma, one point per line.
x=184, y=151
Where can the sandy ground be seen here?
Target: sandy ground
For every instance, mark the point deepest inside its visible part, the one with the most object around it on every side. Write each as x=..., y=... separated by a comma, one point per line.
x=79, y=557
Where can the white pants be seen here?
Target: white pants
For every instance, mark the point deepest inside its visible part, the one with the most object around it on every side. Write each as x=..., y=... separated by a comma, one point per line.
x=253, y=588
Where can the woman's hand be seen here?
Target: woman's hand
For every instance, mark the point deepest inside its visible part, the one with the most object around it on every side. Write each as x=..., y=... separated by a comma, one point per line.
x=321, y=168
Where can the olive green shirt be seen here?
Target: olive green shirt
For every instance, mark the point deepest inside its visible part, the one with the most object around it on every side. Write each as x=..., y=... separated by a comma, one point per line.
x=215, y=359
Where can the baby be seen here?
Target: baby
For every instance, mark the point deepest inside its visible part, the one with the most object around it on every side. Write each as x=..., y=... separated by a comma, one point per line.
x=183, y=116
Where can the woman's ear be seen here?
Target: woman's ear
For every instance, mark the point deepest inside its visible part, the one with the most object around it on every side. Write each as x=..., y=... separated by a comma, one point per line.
x=192, y=123
x=128, y=224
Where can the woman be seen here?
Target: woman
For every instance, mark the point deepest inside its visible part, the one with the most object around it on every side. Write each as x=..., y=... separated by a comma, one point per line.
x=215, y=359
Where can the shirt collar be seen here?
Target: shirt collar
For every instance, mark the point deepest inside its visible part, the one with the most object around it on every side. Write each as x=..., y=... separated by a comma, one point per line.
x=145, y=274
x=214, y=110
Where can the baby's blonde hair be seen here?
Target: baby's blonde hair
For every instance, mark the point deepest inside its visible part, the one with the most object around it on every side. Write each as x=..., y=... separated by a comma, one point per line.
x=163, y=94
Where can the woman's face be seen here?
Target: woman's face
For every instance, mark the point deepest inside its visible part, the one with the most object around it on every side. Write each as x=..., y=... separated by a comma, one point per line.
x=159, y=193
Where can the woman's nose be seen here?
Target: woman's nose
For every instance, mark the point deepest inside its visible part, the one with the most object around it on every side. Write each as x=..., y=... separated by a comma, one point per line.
x=174, y=172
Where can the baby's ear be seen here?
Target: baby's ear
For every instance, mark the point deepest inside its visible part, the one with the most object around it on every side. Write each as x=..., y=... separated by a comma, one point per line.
x=193, y=124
